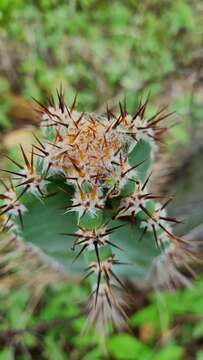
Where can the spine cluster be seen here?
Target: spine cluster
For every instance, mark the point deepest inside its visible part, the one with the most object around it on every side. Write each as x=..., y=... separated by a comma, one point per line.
x=91, y=153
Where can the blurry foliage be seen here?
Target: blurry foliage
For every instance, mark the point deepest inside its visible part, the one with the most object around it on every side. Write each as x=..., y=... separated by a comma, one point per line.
x=168, y=328
x=98, y=48
x=4, y=104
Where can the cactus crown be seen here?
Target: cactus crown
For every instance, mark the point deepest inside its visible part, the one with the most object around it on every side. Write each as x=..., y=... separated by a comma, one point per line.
x=101, y=166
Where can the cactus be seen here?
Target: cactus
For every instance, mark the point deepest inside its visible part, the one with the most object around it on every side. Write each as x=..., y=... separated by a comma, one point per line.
x=84, y=190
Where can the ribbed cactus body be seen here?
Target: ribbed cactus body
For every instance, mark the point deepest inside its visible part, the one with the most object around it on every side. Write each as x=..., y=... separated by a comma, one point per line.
x=84, y=190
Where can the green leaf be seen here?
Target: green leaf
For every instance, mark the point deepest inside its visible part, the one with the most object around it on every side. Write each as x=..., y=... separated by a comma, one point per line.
x=199, y=355
x=52, y=348
x=126, y=347
x=171, y=352
x=30, y=340
x=95, y=354
x=146, y=315
x=6, y=354
x=4, y=121
x=180, y=133
x=17, y=303
x=198, y=330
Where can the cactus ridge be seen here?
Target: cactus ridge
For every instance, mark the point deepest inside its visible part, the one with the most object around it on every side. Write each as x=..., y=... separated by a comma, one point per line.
x=92, y=155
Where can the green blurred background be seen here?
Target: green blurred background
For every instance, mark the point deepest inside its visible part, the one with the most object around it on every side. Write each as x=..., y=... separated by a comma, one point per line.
x=105, y=51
